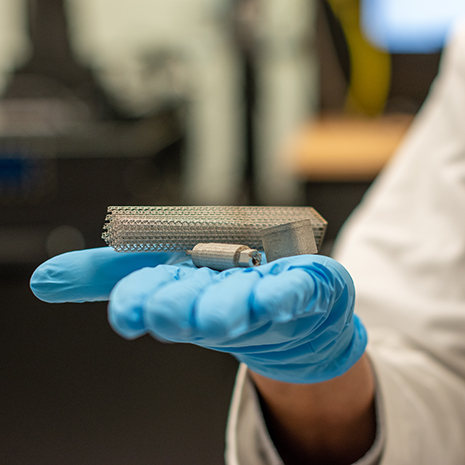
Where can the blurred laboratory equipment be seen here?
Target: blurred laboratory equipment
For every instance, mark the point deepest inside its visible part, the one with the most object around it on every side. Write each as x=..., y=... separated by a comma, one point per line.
x=410, y=26
x=284, y=77
x=205, y=39
x=367, y=96
x=65, y=143
x=121, y=40
x=281, y=44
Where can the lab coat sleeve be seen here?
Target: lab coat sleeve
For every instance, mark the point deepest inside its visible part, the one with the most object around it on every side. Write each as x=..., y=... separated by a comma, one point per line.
x=405, y=248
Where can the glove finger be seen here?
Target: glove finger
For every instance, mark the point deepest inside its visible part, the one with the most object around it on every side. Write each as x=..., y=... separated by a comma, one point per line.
x=300, y=261
x=222, y=311
x=169, y=311
x=284, y=296
x=89, y=275
x=125, y=310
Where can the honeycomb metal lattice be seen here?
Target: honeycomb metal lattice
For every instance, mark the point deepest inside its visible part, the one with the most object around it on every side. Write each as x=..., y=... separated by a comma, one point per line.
x=169, y=229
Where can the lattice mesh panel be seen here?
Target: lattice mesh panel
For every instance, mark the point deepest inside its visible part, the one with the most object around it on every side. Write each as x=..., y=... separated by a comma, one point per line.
x=164, y=229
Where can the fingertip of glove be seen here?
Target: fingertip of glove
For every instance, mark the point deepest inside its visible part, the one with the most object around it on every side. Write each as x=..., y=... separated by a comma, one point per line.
x=170, y=312
x=224, y=309
x=212, y=326
x=43, y=282
x=217, y=324
x=282, y=297
x=127, y=323
x=129, y=308
x=162, y=324
x=55, y=280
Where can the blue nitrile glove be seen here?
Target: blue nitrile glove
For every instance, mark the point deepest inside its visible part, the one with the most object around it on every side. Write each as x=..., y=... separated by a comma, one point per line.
x=290, y=320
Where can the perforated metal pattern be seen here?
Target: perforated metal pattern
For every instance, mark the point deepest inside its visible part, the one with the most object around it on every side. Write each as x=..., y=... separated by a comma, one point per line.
x=166, y=229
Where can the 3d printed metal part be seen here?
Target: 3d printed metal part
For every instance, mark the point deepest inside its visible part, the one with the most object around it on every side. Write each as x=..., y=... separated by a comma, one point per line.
x=223, y=256
x=216, y=236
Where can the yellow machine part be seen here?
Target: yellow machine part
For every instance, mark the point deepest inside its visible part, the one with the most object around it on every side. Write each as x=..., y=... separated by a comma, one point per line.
x=370, y=76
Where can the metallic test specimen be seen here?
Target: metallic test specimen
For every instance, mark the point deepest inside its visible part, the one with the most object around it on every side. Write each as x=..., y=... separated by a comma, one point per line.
x=286, y=240
x=279, y=231
x=223, y=256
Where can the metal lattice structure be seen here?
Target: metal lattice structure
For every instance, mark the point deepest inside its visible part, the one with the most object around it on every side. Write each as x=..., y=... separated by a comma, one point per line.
x=169, y=229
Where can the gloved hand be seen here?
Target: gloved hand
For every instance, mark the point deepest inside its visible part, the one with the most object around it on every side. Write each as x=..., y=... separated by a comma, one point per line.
x=290, y=320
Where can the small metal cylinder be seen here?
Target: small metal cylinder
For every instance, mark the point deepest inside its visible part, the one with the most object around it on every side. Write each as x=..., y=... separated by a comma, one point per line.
x=223, y=256
x=287, y=240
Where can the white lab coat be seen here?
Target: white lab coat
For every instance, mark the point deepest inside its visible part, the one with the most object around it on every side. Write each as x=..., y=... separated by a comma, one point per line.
x=405, y=248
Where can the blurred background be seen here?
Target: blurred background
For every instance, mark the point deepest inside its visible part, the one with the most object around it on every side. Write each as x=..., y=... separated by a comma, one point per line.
x=145, y=102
